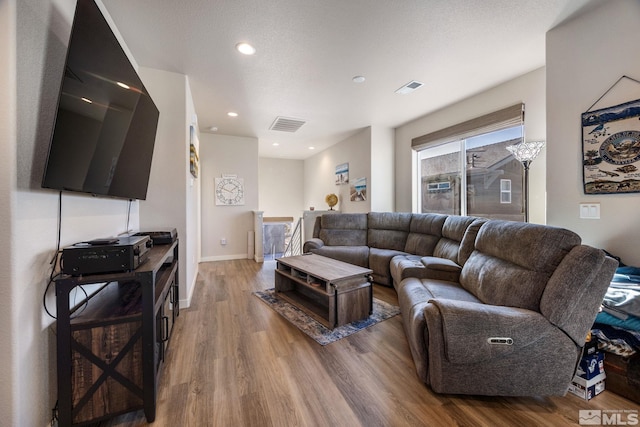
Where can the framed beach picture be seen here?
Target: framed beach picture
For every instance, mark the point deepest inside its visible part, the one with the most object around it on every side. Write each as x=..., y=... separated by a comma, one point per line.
x=342, y=174
x=358, y=190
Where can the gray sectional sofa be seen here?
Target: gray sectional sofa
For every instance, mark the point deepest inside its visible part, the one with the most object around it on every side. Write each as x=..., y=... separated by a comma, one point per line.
x=489, y=307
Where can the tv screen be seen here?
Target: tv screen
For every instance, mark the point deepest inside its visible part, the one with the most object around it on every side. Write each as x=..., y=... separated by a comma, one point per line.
x=106, y=122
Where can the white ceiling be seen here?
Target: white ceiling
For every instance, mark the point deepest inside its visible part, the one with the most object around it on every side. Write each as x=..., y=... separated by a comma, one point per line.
x=309, y=50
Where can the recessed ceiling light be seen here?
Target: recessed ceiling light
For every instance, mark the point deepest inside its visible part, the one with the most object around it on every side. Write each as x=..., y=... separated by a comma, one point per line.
x=312, y=148
x=232, y=114
x=245, y=48
x=123, y=85
x=87, y=100
x=213, y=129
x=358, y=79
x=275, y=144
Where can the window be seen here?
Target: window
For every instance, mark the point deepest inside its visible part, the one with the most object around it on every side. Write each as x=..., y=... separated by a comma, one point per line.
x=477, y=161
x=505, y=191
x=438, y=186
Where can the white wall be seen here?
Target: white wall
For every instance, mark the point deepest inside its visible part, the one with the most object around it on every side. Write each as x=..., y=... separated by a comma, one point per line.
x=281, y=183
x=585, y=57
x=192, y=213
x=529, y=88
x=170, y=197
x=381, y=185
x=320, y=169
x=221, y=154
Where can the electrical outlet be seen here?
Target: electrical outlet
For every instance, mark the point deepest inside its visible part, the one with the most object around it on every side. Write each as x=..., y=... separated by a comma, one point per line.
x=223, y=241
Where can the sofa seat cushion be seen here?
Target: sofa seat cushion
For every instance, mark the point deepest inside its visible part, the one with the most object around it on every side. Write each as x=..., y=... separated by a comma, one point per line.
x=412, y=292
x=380, y=263
x=404, y=266
x=357, y=255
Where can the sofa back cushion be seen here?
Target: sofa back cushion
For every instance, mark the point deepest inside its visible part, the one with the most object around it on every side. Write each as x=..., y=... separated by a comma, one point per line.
x=344, y=229
x=388, y=230
x=425, y=231
x=453, y=232
x=513, y=261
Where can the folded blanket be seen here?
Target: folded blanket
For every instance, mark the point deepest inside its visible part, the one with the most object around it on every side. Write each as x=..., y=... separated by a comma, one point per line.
x=623, y=296
x=616, y=340
x=608, y=317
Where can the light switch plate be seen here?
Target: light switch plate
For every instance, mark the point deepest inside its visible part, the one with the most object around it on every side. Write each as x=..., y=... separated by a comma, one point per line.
x=590, y=210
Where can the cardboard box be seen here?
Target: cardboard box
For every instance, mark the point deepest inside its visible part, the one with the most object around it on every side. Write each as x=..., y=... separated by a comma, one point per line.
x=591, y=366
x=590, y=347
x=587, y=389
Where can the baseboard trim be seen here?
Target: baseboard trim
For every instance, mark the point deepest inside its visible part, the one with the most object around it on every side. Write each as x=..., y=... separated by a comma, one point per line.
x=186, y=303
x=223, y=257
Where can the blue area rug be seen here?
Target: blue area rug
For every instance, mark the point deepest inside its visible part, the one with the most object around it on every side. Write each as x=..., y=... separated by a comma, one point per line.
x=316, y=330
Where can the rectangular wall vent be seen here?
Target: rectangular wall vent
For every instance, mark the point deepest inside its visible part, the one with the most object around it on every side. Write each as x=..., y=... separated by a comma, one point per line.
x=286, y=124
x=409, y=87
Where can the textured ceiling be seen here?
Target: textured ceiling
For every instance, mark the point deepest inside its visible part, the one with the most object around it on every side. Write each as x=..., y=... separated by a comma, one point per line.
x=308, y=51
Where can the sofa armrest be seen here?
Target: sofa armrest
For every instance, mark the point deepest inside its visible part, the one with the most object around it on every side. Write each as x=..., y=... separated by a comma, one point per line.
x=441, y=269
x=474, y=332
x=310, y=244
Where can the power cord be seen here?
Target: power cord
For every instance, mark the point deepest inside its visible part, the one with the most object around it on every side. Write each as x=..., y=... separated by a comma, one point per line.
x=54, y=415
x=128, y=215
x=57, y=261
x=54, y=261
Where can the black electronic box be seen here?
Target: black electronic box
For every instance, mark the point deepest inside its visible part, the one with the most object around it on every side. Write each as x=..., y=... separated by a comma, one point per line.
x=164, y=237
x=111, y=255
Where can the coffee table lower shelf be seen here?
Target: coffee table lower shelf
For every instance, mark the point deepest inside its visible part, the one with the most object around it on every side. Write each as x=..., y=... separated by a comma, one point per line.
x=320, y=312
x=332, y=302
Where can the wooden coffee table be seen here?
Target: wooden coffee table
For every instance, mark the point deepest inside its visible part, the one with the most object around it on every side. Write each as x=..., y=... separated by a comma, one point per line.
x=332, y=292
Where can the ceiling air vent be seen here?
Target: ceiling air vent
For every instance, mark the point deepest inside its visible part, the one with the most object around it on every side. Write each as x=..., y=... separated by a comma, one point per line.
x=286, y=124
x=409, y=87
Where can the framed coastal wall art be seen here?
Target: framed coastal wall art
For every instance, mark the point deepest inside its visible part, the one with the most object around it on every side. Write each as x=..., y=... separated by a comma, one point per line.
x=358, y=190
x=342, y=174
x=611, y=149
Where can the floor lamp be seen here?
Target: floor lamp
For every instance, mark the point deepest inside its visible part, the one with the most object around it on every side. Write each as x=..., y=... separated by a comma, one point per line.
x=525, y=152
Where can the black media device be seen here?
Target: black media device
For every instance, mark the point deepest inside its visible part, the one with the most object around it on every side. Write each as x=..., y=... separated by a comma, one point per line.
x=105, y=255
x=164, y=237
x=106, y=122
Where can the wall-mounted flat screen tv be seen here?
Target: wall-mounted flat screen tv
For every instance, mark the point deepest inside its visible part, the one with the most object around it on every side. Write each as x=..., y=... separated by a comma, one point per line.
x=106, y=122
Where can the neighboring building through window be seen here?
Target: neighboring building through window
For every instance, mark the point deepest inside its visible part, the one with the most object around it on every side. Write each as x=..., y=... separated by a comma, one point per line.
x=482, y=165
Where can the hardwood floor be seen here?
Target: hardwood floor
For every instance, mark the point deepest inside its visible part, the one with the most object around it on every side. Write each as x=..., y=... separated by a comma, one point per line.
x=233, y=361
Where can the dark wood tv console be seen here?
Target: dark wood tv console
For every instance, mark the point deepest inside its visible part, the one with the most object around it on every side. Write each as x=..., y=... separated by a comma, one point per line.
x=112, y=344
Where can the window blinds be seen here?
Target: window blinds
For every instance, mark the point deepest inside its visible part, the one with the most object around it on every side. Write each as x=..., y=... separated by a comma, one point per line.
x=501, y=119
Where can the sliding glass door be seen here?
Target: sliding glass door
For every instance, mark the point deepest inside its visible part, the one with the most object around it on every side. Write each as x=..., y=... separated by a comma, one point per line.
x=491, y=176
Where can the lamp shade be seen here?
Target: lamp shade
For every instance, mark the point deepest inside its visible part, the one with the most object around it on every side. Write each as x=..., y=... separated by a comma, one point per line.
x=526, y=151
